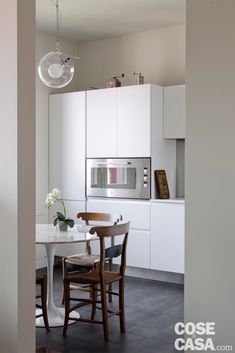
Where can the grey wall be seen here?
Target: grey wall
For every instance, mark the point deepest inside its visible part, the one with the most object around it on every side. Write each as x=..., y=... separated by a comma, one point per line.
x=210, y=167
x=180, y=168
x=158, y=54
x=17, y=177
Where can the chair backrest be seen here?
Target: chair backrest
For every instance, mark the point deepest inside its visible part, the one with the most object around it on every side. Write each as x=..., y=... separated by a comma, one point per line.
x=99, y=217
x=89, y=217
x=112, y=231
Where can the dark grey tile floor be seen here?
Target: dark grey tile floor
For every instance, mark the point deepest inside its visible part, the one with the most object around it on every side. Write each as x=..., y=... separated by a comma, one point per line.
x=152, y=309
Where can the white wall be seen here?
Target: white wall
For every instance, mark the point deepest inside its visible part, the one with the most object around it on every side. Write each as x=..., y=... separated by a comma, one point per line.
x=210, y=167
x=17, y=177
x=44, y=44
x=159, y=55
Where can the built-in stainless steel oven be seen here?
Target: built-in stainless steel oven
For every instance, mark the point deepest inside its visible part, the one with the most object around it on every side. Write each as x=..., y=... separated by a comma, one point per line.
x=118, y=177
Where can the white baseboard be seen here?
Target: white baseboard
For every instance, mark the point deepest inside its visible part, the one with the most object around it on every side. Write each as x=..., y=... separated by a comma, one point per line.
x=163, y=276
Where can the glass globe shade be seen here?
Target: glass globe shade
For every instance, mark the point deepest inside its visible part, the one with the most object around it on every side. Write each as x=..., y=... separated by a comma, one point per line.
x=56, y=69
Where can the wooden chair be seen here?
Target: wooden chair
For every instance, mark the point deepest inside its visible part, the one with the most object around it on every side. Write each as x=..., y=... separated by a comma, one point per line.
x=100, y=277
x=42, y=281
x=85, y=262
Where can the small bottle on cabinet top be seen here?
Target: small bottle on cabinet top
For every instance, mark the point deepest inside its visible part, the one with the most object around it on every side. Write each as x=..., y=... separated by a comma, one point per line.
x=139, y=78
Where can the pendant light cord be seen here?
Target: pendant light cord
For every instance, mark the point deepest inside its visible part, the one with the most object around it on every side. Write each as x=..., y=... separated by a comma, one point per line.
x=58, y=22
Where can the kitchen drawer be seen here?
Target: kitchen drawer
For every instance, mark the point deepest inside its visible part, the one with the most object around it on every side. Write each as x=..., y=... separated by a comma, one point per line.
x=137, y=212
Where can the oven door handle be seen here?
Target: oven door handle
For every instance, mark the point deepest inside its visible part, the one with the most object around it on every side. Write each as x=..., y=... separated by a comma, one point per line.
x=110, y=165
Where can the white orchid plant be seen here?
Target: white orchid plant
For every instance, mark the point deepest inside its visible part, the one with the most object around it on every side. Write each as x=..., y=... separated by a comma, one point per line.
x=53, y=197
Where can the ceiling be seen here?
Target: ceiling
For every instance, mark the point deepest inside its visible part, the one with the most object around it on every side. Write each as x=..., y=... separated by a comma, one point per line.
x=88, y=20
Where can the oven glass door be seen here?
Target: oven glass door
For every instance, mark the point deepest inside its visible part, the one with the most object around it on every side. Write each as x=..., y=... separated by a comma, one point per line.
x=121, y=178
x=114, y=177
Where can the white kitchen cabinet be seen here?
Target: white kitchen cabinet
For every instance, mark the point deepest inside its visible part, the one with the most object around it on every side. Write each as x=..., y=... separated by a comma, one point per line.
x=174, y=112
x=101, y=123
x=67, y=120
x=167, y=236
x=119, y=121
x=138, y=249
x=138, y=213
x=134, y=121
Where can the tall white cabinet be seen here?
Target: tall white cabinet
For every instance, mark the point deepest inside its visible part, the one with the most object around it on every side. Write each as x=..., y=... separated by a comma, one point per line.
x=67, y=121
x=67, y=153
x=128, y=122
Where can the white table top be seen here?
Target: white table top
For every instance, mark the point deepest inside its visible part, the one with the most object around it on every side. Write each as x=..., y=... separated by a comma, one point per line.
x=48, y=234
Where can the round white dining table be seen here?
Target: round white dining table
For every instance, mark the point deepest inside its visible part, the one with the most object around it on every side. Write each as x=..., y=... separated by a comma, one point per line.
x=50, y=237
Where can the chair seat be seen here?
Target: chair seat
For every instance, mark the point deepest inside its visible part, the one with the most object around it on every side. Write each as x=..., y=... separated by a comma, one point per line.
x=84, y=260
x=93, y=277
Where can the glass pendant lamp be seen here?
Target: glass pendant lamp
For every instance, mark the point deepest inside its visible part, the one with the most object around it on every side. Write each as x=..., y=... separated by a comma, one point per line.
x=55, y=68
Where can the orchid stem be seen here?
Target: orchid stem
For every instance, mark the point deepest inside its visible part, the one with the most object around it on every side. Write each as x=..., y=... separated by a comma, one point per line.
x=62, y=202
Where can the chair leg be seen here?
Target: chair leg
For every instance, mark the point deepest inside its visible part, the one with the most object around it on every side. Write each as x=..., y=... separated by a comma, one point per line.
x=62, y=301
x=67, y=305
x=44, y=303
x=110, y=285
x=65, y=273
x=121, y=305
x=104, y=311
x=94, y=297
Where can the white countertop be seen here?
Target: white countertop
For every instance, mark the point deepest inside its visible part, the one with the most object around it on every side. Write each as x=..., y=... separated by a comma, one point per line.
x=176, y=200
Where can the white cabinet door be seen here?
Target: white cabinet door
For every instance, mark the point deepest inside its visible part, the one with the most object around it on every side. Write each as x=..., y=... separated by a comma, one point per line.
x=133, y=121
x=137, y=212
x=67, y=114
x=138, y=249
x=174, y=112
x=101, y=123
x=167, y=237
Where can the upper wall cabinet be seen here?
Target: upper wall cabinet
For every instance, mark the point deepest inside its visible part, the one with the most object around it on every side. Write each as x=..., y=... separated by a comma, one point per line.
x=174, y=112
x=101, y=123
x=67, y=121
x=118, y=122
x=133, y=121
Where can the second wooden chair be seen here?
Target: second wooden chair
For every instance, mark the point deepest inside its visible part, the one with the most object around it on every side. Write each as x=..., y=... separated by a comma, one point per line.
x=99, y=279
x=87, y=261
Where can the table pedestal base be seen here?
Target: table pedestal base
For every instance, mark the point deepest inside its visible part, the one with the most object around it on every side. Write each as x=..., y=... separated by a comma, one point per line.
x=55, y=317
